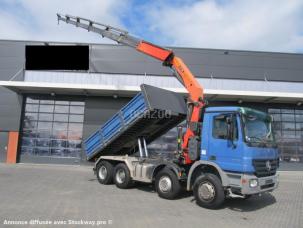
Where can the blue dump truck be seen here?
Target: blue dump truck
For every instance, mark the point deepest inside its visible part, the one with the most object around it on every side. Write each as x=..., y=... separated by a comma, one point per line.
x=222, y=152
x=237, y=156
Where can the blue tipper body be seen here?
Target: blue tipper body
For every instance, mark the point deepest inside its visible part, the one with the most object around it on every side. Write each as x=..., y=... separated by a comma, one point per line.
x=129, y=113
x=145, y=115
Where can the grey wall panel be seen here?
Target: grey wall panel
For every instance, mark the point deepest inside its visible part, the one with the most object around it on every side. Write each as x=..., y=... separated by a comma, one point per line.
x=203, y=63
x=231, y=72
x=10, y=110
x=123, y=60
x=10, y=63
x=12, y=57
x=119, y=59
x=285, y=74
x=3, y=146
x=12, y=49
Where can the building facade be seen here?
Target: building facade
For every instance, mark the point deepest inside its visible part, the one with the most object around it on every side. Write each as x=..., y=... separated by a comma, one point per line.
x=54, y=95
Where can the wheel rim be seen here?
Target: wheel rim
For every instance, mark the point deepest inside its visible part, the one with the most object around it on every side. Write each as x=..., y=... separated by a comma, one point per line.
x=165, y=184
x=120, y=176
x=102, y=172
x=206, y=191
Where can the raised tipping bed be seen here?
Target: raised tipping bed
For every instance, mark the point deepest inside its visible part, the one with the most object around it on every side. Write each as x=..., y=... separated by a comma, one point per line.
x=150, y=114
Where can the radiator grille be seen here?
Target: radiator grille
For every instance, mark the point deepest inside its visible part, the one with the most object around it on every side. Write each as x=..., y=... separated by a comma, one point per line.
x=265, y=167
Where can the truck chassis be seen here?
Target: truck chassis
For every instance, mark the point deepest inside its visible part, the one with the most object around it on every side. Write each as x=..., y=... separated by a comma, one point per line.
x=209, y=183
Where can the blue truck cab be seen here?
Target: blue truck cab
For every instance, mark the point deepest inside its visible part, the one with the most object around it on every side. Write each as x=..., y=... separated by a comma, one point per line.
x=240, y=142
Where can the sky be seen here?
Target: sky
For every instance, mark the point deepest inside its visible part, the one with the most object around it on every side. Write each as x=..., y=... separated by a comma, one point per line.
x=259, y=25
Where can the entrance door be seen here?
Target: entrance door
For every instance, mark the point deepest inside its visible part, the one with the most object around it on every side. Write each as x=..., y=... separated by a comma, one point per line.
x=3, y=146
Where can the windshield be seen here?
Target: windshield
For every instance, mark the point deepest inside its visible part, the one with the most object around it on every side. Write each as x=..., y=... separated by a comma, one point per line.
x=257, y=128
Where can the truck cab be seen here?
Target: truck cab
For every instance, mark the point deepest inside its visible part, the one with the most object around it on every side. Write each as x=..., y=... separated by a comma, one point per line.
x=237, y=139
x=240, y=144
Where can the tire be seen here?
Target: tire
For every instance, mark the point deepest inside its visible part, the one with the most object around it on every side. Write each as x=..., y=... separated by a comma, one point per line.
x=167, y=184
x=104, y=172
x=246, y=197
x=208, y=191
x=122, y=177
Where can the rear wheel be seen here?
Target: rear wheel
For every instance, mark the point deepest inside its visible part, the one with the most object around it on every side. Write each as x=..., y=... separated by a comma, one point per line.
x=208, y=191
x=122, y=177
x=105, y=172
x=167, y=184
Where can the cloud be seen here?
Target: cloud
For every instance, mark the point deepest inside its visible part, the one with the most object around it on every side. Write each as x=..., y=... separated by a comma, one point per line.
x=266, y=25
x=36, y=19
x=270, y=25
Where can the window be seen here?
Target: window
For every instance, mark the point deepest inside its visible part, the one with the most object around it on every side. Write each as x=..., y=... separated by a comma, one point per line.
x=274, y=110
x=288, y=131
x=47, y=102
x=45, y=117
x=299, y=118
x=62, y=102
x=31, y=116
x=288, y=117
x=61, y=109
x=52, y=128
x=61, y=117
x=277, y=117
x=288, y=126
x=220, y=126
x=77, y=109
x=31, y=108
x=45, y=125
x=76, y=118
x=46, y=108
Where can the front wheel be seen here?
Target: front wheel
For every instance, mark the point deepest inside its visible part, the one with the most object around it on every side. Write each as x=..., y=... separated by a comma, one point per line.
x=247, y=197
x=208, y=191
x=167, y=184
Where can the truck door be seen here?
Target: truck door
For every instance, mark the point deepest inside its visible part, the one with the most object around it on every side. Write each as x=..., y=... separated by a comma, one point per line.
x=223, y=151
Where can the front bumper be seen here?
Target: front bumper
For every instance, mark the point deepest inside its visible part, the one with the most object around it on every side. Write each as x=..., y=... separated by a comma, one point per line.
x=240, y=184
x=265, y=184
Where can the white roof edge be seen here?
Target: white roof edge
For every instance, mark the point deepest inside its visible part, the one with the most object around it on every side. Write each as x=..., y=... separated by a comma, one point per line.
x=88, y=87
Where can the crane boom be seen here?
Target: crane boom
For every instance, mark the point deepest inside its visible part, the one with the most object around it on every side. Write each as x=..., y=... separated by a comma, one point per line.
x=195, y=100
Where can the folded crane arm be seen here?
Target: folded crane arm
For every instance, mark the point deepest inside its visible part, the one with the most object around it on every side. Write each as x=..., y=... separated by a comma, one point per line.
x=181, y=72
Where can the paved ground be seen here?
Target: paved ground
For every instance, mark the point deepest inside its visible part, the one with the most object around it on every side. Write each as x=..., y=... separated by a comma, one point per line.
x=60, y=193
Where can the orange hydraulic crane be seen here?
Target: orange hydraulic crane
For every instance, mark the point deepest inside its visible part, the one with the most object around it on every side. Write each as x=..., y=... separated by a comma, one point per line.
x=195, y=101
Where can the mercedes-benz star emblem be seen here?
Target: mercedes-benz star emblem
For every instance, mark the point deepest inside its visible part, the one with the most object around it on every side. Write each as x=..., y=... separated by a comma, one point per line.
x=268, y=165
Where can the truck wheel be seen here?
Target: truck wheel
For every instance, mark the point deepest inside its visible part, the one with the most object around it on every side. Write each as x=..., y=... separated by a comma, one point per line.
x=122, y=177
x=167, y=184
x=208, y=191
x=105, y=172
x=247, y=197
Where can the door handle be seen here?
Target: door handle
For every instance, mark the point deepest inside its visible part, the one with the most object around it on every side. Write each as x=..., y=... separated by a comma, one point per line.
x=5, y=148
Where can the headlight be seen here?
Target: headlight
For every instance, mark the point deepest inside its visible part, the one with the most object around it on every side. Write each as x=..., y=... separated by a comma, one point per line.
x=253, y=183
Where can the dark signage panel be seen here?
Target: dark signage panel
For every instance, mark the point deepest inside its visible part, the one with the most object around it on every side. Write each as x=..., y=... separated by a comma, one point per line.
x=57, y=57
